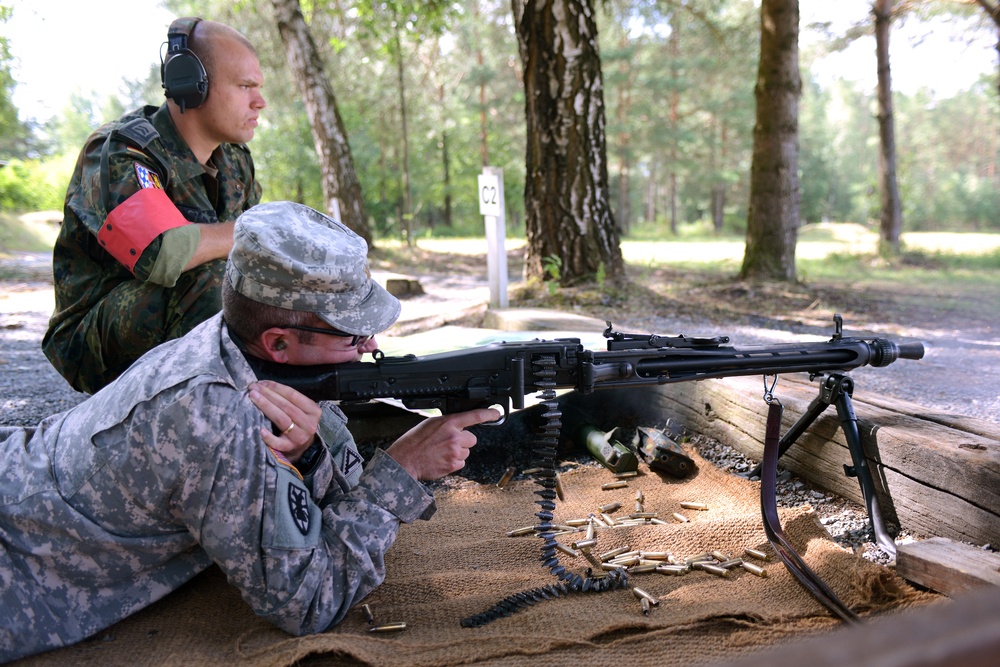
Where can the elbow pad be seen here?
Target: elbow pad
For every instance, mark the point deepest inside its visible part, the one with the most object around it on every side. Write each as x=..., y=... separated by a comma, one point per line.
x=134, y=223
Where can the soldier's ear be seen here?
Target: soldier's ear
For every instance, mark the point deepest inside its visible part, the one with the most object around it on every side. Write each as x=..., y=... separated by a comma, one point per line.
x=275, y=342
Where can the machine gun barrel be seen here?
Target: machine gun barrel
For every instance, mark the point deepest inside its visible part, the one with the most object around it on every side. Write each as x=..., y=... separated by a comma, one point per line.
x=500, y=374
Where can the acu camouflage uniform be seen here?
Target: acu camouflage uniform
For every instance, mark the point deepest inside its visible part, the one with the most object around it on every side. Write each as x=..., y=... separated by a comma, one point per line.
x=107, y=316
x=112, y=505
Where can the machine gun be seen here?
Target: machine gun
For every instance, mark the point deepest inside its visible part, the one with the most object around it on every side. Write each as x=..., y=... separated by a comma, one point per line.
x=502, y=374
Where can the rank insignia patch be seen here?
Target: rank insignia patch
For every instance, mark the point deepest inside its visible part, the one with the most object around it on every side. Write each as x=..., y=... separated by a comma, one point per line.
x=351, y=461
x=147, y=177
x=298, y=507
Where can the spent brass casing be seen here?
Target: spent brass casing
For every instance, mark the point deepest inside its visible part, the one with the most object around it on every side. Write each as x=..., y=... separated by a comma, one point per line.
x=367, y=611
x=680, y=517
x=610, y=507
x=620, y=484
x=608, y=520
x=559, y=489
x=713, y=569
x=658, y=522
x=688, y=505
x=642, y=567
x=755, y=553
x=565, y=527
x=506, y=477
x=608, y=555
x=625, y=561
x=591, y=531
x=388, y=627
x=611, y=567
x=567, y=550
x=654, y=555
x=644, y=604
x=731, y=563
x=643, y=515
x=639, y=593
x=517, y=532
x=626, y=474
x=719, y=556
x=585, y=544
x=578, y=523
x=673, y=569
x=754, y=569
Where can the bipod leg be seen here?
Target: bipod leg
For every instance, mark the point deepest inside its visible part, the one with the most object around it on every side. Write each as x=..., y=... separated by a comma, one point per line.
x=860, y=469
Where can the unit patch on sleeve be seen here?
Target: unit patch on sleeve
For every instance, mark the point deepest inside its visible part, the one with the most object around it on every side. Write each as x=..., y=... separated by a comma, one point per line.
x=298, y=507
x=147, y=177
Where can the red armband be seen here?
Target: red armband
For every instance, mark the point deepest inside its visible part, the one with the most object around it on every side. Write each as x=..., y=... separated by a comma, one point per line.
x=132, y=226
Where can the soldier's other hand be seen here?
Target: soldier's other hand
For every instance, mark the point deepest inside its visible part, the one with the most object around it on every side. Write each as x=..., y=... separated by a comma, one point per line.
x=438, y=446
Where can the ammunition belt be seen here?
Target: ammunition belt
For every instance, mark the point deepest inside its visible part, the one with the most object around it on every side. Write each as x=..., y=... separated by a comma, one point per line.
x=546, y=447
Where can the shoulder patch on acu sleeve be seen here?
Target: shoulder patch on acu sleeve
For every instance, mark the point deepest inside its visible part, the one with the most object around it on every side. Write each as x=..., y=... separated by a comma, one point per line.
x=352, y=461
x=298, y=505
x=296, y=518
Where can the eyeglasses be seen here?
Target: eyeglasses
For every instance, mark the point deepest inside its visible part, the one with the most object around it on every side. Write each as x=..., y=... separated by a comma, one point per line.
x=356, y=341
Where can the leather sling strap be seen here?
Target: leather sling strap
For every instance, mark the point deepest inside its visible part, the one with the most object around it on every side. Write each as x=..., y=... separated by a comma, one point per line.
x=772, y=525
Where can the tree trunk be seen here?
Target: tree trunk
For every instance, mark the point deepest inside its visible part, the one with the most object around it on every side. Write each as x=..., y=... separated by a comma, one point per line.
x=993, y=11
x=674, y=51
x=341, y=189
x=408, y=222
x=891, y=221
x=622, y=115
x=566, y=194
x=773, y=216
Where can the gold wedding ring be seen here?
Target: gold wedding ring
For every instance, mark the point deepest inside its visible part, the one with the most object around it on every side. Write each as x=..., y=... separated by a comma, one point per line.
x=289, y=429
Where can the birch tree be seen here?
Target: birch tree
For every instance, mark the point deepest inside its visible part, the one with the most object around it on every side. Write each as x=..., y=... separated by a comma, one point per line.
x=341, y=189
x=569, y=223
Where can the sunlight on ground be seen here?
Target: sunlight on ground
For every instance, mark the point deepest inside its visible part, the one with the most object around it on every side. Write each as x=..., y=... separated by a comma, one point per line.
x=815, y=241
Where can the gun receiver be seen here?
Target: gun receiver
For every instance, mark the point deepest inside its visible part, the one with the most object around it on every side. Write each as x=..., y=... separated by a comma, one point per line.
x=501, y=374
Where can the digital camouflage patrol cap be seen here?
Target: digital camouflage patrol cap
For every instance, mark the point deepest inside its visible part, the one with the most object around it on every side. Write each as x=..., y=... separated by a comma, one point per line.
x=291, y=256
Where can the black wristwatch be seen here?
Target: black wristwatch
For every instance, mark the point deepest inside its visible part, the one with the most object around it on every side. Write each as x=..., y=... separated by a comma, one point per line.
x=310, y=457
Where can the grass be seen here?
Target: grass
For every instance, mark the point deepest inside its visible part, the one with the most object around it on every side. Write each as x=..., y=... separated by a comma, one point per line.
x=28, y=232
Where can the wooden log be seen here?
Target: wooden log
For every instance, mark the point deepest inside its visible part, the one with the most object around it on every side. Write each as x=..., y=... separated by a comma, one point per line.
x=964, y=632
x=935, y=476
x=946, y=566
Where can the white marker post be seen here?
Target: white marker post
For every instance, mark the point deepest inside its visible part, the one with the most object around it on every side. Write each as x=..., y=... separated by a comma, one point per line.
x=492, y=208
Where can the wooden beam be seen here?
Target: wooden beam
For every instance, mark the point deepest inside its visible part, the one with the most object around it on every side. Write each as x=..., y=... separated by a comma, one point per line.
x=935, y=476
x=964, y=632
x=946, y=566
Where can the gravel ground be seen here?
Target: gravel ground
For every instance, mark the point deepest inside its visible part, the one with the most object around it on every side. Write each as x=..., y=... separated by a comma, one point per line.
x=31, y=389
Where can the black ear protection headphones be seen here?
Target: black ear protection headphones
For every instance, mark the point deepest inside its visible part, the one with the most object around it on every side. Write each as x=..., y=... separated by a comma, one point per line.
x=182, y=73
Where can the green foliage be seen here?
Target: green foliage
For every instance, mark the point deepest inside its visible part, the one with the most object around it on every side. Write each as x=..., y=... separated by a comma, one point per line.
x=34, y=185
x=552, y=265
x=676, y=112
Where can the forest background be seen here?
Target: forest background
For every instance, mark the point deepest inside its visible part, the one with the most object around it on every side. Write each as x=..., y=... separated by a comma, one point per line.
x=679, y=97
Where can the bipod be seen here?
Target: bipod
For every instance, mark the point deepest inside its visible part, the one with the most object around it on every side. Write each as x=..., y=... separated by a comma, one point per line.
x=837, y=389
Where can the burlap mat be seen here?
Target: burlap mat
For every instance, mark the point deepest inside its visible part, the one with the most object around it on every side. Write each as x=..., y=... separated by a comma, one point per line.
x=461, y=562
